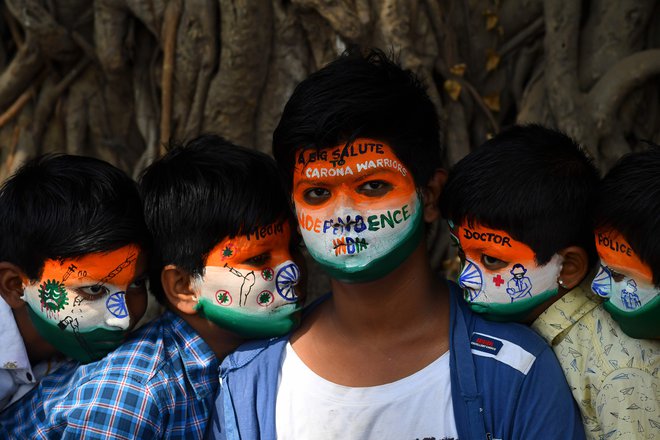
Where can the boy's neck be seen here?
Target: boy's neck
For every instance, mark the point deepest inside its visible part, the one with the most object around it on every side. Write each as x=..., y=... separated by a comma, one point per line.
x=374, y=333
x=221, y=341
x=37, y=348
x=398, y=299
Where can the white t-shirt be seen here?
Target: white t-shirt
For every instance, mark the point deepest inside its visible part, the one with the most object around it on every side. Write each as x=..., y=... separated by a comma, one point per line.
x=413, y=408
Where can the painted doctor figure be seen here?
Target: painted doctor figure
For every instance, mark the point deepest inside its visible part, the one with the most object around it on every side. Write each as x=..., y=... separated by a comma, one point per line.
x=519, y=286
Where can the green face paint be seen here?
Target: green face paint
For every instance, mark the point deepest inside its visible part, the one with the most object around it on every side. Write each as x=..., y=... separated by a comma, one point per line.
x=277, y=322
x=642, y=323
x=514, y=311
x=85, y=346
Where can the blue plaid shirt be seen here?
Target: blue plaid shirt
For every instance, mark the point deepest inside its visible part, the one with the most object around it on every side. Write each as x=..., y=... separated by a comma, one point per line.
x=158, y=384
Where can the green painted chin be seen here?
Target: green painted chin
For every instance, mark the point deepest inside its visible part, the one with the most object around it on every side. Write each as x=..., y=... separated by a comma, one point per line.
x=276, y=323
x=81, y=346
x=516, y=311
x=380, y=266
x=639, y=324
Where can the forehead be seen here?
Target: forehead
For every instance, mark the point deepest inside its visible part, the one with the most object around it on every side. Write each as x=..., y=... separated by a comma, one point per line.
x=350, y=161
x=116, y=267
x=476, y=238
x=262, y=239
x=616, y=252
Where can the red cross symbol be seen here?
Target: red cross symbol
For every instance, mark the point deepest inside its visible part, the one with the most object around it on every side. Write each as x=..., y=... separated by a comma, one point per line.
x=498, y=280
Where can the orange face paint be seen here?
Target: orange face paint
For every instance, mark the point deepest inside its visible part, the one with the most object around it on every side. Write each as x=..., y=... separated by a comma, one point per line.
x=344, y=168
x=478, y=240
x=618, y=255
x=117, y=267
x=237, y=251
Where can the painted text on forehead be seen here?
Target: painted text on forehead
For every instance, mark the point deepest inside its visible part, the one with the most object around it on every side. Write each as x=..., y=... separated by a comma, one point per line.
x=348, y=160
x=498, y=244
x=274, y=238
x=117, y=267
x=617, y=253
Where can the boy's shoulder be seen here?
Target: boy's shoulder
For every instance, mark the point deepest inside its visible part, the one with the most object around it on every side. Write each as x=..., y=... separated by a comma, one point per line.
x=491, y=336
x=137, y=380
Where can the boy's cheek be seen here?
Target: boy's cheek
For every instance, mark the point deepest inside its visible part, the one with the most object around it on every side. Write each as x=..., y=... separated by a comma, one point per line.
x=136, y=302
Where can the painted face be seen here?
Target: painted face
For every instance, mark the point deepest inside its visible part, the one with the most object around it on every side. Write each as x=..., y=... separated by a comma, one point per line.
x=85, y=306
x=249, y=284
x=627, y=283
x=358, y=209
x=500, y=275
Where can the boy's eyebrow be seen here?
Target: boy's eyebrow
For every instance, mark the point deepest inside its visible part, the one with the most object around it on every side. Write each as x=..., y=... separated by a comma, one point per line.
x=312, y=182
x=366, y=175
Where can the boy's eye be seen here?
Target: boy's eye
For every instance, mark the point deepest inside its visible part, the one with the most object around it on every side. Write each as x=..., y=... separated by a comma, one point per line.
x=616, y=276
x=258, y=260
x=492, y=263
x=92, y=292
x=374, y=188
x=316, y=196
x=138, y=283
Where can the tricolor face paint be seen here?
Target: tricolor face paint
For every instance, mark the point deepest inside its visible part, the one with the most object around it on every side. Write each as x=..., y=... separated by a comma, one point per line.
x=627, y=283
x=500, y=275
x=85, y=306
x=358, y=209
x=249, y=283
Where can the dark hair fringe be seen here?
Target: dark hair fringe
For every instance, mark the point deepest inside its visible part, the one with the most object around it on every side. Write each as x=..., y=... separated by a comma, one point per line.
x=361, y=96
x=628, y=200
x=530, y=181
x=63, y=206
x=202, y=191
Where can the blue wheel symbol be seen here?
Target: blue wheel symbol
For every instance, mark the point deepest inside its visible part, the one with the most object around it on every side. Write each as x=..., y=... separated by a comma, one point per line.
x=471, y=280
x=286, y=279
x=116, y=304
x=602, y=283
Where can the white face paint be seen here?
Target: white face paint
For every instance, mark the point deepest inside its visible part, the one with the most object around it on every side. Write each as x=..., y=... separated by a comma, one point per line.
x=253, y=291
x=108, y=311
x=351, y=237
x=624, y=292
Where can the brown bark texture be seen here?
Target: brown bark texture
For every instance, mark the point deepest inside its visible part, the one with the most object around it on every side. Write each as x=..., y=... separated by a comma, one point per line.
x=116, y=78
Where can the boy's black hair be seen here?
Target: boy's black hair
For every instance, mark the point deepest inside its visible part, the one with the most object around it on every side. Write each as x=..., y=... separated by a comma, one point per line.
x=63, y=206
x=203, y=191
x=532, y=182
x=628, y=200
x=361, y=96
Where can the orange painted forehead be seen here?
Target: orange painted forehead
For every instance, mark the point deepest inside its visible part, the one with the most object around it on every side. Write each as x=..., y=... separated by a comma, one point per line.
x=476, y=239
x=117, y=267
x=232, y=250
x=347, y=162
x=616, y=252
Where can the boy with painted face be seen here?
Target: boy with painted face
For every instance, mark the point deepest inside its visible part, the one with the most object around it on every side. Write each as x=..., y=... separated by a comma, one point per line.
x=222, y=268
x=393, y=352
x=522, y=200
x=510, y=205
x=627, y=219
x=72, y=265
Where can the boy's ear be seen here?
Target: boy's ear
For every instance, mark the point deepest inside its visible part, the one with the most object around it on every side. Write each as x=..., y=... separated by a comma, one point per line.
x=11, y=284
x=574, y=267
x=178, y=290
x=431, y=193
